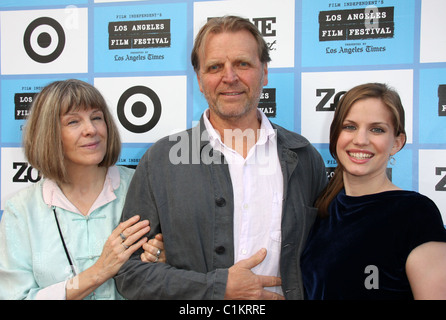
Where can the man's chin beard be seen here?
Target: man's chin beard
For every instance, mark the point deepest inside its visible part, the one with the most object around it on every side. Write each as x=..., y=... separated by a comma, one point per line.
x=233, y=115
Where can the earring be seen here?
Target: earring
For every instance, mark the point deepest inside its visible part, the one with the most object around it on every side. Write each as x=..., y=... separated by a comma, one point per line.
x=392, y=160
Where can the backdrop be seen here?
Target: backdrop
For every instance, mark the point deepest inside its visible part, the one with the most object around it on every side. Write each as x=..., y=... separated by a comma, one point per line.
x=137, y=53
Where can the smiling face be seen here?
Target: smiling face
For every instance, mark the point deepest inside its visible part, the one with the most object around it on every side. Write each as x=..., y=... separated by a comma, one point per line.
x=367, y=139
x=231, y=76
x=84, y=137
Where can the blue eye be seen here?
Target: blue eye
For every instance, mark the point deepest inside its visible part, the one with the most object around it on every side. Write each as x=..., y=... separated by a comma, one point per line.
x=378, y=130
x=214, y=68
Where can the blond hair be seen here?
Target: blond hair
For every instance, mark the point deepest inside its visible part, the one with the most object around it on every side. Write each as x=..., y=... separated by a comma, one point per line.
x=227, y=24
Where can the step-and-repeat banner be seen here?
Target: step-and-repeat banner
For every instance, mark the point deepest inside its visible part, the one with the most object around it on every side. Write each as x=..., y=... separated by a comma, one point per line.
x=137, y=53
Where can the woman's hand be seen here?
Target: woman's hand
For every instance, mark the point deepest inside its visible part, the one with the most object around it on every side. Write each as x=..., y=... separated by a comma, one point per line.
x=118, y=248
x=121, y=244
x=154, y=250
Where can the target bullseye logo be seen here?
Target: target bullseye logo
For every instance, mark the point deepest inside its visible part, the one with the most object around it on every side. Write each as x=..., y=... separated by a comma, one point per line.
x=139, y=109
x=44, y=40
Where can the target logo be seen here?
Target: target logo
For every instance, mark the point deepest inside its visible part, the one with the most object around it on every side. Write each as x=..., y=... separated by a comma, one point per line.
x=44, y=40
x=139, y=109
x=144, y=108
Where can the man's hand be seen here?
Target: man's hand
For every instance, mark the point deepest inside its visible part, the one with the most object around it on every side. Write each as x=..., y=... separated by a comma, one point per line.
x=244, y=284
x=154, y=250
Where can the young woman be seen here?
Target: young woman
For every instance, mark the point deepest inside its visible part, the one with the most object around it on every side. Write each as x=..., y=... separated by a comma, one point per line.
x=372, y=240
x=62, y=237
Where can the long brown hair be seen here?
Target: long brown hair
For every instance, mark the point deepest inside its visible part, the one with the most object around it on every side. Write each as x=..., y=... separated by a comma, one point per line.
x=390, y=98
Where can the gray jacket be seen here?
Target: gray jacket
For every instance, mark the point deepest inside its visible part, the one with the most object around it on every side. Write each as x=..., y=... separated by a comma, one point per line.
x=184, y=188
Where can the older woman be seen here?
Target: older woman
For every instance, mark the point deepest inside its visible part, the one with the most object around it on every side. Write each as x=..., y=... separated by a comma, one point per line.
x=61, y=238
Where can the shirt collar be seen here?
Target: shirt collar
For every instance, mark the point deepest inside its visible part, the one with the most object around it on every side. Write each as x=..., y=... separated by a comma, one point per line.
x=267, y=131
x=53, y=195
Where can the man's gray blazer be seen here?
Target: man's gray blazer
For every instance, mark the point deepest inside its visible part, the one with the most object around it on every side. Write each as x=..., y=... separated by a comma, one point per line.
x=183, y=187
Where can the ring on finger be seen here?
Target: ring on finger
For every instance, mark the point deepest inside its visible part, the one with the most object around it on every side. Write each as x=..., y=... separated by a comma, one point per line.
x=123, y=237
x=158, y=254
x=124, y=245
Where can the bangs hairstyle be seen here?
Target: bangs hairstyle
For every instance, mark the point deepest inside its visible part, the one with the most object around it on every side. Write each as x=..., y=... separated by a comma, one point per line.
x=42, y=139
x=227, y=24
x=391, y=100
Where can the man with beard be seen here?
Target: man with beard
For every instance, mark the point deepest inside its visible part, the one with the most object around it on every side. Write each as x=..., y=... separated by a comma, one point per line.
x=232, y=196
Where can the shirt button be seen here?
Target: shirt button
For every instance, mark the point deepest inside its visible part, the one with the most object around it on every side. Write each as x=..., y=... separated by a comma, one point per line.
x=220, y=202
x=220, y=250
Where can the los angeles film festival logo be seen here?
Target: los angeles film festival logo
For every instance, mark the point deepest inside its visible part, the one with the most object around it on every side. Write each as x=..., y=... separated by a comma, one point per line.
x=356, y=24
x=140, y=34
x=22, y=103
x=267, y=102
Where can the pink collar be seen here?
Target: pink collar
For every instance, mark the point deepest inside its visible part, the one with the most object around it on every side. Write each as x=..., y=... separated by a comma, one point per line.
x=53, y=195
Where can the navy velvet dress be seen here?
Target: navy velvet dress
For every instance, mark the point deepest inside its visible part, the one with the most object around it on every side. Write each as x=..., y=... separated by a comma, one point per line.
x=360, y=250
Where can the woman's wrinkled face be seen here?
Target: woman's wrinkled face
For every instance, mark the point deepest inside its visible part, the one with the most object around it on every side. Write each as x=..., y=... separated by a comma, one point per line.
x=84, y=136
